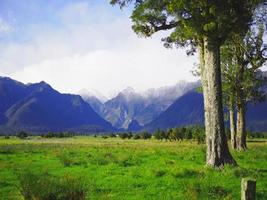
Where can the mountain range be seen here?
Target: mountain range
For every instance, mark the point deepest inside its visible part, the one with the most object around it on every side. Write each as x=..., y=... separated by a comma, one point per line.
x=189, y=110
x=173, y=106
x=39, y=108
x=132, y=109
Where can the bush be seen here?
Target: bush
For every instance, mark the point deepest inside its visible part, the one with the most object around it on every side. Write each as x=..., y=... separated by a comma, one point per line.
x=58, y=135
x=7, y=137
x=160, y=135
x=112, y=135
x=256, y=134
x=136, y=137
x=126, y=135
x=104, y=136
x=47, y=187
x=199, y=134
x=65, y=158
x=190, y=132
x=22, y=135
x=145, y=135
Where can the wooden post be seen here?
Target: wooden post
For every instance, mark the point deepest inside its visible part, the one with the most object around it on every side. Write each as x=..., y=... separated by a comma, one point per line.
x=248, y=189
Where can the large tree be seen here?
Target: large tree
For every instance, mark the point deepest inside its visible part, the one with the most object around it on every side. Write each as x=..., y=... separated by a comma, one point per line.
x=242, y=58
x=204, y=24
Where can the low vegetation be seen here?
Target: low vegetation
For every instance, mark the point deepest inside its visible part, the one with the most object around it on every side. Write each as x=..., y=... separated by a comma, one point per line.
x=45, y=186
x=114, y=168
x=58, y=135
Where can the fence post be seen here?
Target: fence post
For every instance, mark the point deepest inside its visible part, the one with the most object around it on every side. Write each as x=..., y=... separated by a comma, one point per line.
x=248, y=189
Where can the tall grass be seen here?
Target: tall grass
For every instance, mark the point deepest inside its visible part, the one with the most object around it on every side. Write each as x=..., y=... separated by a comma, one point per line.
x=44, y=186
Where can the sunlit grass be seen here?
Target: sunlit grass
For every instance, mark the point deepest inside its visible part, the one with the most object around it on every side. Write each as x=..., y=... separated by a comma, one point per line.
x=130, y=169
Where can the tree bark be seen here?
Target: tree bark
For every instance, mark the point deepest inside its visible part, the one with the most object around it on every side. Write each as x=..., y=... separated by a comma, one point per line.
x=205, y=91
x=232, y=124
x=241, y=127
x=241, y=107
x=217, y=148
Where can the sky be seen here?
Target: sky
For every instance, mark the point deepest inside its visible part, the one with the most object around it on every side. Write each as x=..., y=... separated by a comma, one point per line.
x=78, y=44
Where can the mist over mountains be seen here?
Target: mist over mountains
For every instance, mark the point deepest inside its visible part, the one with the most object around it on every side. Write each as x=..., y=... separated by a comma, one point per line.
x=38, y=108
x=130, y=108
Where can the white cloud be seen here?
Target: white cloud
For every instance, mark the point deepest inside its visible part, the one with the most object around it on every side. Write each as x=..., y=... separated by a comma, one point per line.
x=5, y=27
x=93, y=49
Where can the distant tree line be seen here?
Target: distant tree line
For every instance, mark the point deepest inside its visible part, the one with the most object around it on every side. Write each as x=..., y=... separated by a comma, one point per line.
x=58, y=135
x=195, y=132
x=24, y=135
x=173, y=134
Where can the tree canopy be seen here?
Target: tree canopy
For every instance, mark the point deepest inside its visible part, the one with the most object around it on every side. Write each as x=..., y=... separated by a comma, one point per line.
x=191, y=20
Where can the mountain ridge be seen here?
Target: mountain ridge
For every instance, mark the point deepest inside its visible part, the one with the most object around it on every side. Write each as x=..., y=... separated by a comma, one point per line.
x=38, y=107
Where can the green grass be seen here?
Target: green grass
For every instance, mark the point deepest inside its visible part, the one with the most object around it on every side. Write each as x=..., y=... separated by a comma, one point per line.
x=128, y=169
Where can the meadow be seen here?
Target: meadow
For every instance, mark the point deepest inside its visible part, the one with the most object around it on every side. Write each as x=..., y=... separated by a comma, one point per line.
x=113, y=168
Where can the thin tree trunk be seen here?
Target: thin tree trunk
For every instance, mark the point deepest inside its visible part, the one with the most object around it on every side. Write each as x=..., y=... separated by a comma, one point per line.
x=232, y=124
x=241, y=127
x=217, y=148
x=241, y=106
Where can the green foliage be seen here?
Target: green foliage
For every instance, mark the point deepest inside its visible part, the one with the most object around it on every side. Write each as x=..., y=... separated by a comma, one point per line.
x=58, y=135
x=136, y=137
x=145, y=135
x=256, y=134
x=199, y=134
x=7, y=137
x=126, y=135
x=190, y=20
x=47, y=187
x=242, y=56
x=191, y=132
x=22, y=135
x=65, y=158
x=128, y=169
x=160, y=135
x=112, y=135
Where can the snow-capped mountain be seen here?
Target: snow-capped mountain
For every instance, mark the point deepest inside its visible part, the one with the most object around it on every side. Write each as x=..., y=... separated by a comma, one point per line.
x=130, y=107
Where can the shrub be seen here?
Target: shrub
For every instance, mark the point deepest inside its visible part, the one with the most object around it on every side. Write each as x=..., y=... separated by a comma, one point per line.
x=145, y=135
x=179, y=133
x=65, y=158
x=47, y=187
x=58, y=135
x=136, y=137
x=104, y=136
x=199, y=134
x=22, y=135
x=112, y=135
x=124, y=135
x=188, y=133
x=158, y=135
x=7, y=137
x=130, y=135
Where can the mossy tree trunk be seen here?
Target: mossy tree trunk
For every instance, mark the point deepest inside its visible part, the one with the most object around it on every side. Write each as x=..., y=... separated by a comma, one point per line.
x=232, y=123
x=241, y=143
x=241, y=109
x=217, y=148
x=204, y=87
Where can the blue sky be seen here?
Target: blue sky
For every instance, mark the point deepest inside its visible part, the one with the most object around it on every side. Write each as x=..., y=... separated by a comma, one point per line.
x=75, y=44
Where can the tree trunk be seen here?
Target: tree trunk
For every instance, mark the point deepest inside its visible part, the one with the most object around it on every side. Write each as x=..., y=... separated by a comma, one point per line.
x=232, y=124
x=241, y=106
x=205, y=90
x=241, y=127
x=217, y=148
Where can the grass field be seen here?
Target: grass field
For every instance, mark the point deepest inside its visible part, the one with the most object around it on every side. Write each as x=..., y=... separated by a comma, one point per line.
x=127, y=169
